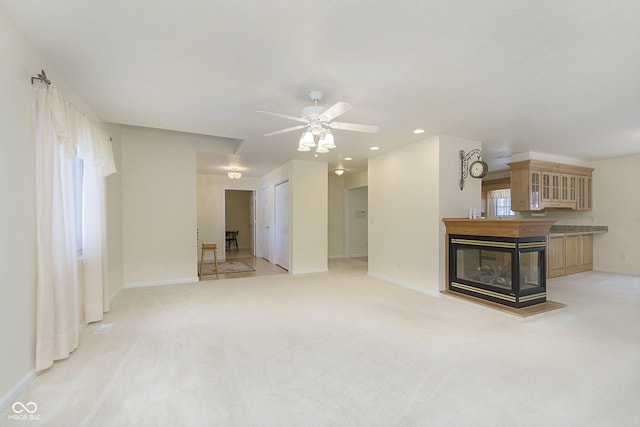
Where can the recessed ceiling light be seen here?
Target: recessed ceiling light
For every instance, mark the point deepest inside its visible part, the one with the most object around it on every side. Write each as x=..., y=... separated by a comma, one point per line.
x=418, y=131
x=348, y=158
x=374, y=148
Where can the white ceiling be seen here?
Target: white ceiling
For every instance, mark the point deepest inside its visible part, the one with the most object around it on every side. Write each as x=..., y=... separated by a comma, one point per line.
x=558, y=77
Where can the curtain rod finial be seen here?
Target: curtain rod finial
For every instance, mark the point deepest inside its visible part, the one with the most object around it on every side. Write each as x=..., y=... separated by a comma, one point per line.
x=42, y=76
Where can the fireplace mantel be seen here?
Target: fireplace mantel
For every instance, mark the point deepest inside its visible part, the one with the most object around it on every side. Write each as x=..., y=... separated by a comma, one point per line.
x=499, y=227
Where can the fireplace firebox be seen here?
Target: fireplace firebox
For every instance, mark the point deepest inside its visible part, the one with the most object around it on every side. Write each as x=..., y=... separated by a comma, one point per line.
x=509, y=271
x=499, y=261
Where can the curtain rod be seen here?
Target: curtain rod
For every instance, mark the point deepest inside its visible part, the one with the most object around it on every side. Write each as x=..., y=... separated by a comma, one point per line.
x=42, y=77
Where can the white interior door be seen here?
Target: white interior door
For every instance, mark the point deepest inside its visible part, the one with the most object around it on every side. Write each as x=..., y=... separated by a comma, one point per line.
x=265, y=221
x=281, y=237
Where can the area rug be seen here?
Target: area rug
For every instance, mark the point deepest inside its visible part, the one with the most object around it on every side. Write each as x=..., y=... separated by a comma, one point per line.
x=224, y=267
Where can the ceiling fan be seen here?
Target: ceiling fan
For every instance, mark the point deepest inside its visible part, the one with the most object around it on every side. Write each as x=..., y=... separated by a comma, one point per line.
x=317, y=120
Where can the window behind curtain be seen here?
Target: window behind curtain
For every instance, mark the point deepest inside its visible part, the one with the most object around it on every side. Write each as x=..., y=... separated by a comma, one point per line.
x=500, y=202
x=78, y=170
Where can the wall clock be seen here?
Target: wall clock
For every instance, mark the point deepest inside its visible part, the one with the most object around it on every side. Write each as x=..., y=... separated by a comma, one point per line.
x=478, y=169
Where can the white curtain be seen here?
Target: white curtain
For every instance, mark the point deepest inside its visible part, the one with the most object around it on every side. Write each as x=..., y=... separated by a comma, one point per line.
x=65, y=302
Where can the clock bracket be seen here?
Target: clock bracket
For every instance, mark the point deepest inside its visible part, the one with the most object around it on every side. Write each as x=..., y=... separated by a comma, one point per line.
x=464, y=164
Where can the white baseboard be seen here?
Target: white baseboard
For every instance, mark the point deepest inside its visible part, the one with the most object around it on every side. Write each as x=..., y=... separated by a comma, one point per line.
x=405, y=284
x=344, y=257
x=624, y=273
x=12, y=395
x=162, y=282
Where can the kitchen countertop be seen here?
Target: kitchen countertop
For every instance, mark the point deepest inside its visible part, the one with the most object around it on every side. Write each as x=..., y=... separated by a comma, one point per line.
x=578, y=229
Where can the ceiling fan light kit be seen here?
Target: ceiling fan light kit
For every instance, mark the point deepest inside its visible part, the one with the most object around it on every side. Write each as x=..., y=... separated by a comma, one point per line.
x=318, y=123
x=327, y=140
x=307, y=139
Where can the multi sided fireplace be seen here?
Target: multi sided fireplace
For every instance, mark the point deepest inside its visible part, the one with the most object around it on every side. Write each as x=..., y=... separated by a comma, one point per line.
x=503, y=261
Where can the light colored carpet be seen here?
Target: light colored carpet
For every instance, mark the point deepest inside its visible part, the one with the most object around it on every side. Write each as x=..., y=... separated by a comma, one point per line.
x=225, y=267
x=344, y=349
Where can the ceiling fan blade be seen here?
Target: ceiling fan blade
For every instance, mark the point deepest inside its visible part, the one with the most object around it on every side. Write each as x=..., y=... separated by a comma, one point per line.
x=334, y=111
x=278, y=132
x=354, y=126
x=284, y=116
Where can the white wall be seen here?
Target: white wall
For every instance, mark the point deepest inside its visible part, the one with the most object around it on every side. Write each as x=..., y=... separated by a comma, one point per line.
x=356, y=180
x=309, y=217
x=410, y=190
x=158, y=209
x=454, y=203
x=17, y=213
x=115, y=279
x=210, y=215
x=616, y=203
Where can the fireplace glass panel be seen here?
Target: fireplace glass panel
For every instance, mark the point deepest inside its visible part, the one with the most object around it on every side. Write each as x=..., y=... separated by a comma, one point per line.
x=489, y=267
x=530, y=267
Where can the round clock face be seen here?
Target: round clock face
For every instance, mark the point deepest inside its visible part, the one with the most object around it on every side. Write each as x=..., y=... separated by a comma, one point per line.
x=478, y=169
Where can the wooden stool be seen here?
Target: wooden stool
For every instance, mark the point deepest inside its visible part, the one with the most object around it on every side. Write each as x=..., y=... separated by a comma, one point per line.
x=208, y=247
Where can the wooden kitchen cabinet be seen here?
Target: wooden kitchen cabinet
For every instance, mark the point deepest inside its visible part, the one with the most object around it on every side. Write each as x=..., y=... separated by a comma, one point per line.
x=537, y=185
x=578, y=253
x=569, y=188
x=555, y=256
x=569, y=254
x=585, y=191
x=550, y=187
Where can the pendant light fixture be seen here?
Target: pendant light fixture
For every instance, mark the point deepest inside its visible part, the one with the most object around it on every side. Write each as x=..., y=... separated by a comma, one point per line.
x=234, y=174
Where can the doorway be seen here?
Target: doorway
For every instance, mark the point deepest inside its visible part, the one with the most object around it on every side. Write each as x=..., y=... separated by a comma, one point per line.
x=239, y=222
